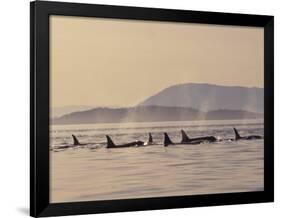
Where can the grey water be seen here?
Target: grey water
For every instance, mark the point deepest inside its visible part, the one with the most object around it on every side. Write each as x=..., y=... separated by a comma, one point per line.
x=93, y=172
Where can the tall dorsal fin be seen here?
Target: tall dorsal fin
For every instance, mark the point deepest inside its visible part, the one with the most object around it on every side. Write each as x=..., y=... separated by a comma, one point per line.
x=237, y=136
x=150, y=139
x=110, y=143
x=75, y=140
x=167, y=140
x=184, y=137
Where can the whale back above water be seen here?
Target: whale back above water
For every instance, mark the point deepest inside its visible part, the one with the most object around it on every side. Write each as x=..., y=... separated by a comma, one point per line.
x=75, y=140
x=184, y=137
x=237, y=135
x=111, y=144
x=250, y=137
x=167, y=140
x=150, y=140
x=187, y=140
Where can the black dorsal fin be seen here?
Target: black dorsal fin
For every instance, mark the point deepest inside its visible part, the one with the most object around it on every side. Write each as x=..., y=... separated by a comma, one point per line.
x=150, y=139
x=237, y=136
x=110, y=143
x=184, y=137
x=75, y=140
x=167, y=140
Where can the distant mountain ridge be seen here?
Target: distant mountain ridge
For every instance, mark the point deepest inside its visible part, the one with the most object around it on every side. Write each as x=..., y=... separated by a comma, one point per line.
x=150, y=114
x=208, y=97
x=59, y=111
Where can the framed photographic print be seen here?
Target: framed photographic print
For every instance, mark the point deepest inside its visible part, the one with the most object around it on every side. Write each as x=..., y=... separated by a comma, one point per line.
x=143, y=108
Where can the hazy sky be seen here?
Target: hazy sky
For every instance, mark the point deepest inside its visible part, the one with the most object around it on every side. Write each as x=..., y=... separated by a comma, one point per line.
x=111, y=62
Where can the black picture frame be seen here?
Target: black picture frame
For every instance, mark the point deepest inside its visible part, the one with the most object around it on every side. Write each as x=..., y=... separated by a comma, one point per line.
x=39, y=108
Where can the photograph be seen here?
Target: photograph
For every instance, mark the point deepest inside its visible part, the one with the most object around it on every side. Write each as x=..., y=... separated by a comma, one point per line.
x=143, y=109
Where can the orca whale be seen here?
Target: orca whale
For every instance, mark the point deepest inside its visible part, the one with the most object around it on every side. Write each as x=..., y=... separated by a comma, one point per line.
x=250, y=137
x=76, y=141
x=150, y=140
x=111, y=144
x=186, y=139
x=168, y=141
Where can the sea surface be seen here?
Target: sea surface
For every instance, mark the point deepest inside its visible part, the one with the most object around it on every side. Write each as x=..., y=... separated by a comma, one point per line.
x=93, y=172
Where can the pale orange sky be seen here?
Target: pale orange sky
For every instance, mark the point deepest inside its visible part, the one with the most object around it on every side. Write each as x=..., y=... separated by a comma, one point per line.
x=113, y=62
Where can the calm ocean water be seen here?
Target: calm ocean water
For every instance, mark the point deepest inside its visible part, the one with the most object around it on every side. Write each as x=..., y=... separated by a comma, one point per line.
x=93, y=172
